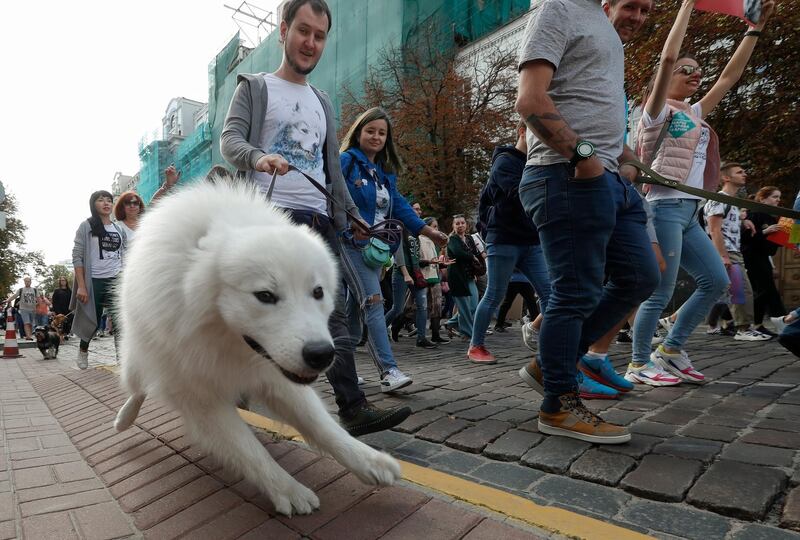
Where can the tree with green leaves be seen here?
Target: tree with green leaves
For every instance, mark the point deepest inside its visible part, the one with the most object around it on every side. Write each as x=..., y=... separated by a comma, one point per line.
x=51, y=275
x=15, y=259
x=758, y=119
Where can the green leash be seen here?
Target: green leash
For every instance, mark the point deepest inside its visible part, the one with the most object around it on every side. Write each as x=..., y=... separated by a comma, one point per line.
x=649, y=176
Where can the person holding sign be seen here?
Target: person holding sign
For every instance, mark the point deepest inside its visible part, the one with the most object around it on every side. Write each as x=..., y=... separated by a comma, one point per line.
x=680, y=145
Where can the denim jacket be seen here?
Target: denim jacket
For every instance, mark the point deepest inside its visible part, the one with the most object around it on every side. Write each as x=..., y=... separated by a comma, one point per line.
x=358, y=174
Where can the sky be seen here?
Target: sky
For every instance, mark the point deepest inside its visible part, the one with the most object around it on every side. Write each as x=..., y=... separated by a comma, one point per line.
x=82, y=82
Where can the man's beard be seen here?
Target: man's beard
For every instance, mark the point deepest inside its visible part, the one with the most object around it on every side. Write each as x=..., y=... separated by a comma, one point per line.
x=298, y=69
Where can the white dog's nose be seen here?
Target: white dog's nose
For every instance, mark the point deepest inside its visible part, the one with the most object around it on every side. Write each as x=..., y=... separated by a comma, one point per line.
x=318, y=354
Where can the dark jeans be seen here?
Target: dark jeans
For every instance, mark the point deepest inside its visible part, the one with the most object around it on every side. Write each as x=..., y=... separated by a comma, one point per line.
x=588, y=229
x=528, y=295
x=719, y=311
x=342, y=374
x=103, y=296
x=791, y=342
x=766, y=298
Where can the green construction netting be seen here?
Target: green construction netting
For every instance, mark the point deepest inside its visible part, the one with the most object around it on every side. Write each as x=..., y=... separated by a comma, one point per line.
x=361, y=31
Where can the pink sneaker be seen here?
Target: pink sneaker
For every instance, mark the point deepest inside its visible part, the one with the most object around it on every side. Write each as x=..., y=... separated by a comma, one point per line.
x=479, y=355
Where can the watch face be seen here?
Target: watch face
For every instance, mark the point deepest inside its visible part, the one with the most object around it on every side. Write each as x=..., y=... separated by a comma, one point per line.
x=585, y=149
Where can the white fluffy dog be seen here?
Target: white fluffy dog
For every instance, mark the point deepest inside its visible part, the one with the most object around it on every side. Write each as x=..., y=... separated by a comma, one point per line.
x=222, y=296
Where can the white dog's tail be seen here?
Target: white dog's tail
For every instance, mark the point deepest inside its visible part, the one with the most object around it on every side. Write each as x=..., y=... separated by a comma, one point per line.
x=128, y=413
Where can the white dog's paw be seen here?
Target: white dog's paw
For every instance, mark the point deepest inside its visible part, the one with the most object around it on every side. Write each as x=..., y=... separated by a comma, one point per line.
x=376, y=468
x=294, y=498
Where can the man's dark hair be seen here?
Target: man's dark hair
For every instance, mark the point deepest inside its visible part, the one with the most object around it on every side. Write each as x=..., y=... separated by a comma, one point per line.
x=320, y=7
x=726, y=167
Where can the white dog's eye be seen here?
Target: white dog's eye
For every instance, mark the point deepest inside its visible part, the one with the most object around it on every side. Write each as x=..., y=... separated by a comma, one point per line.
x=318, y=293
x=266, y=297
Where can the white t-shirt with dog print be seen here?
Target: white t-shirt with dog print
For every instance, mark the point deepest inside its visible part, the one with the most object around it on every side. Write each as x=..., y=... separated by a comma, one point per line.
x=295, y=128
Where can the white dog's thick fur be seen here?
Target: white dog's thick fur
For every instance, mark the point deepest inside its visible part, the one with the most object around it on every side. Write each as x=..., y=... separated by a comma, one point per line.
x=210, y=265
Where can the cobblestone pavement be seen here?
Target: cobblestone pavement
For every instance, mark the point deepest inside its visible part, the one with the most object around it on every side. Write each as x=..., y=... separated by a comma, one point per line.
x=713, y=461
x=718, y=460
x=66, y=473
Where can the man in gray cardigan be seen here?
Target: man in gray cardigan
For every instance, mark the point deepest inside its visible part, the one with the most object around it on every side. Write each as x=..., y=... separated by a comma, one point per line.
x=277, y=119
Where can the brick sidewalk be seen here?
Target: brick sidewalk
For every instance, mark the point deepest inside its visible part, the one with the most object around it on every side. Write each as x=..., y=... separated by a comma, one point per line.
x=68, y=474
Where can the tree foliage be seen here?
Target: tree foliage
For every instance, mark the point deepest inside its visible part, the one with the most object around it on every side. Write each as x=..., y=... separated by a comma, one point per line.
x=448, y=115
x=51, y=275
x=15, y=259
x=758, y=119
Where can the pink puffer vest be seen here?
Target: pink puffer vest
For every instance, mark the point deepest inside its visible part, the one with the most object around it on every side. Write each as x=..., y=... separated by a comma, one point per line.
x=676, y=155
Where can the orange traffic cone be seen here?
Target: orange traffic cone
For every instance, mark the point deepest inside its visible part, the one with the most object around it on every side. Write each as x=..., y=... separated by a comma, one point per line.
x=10, y=347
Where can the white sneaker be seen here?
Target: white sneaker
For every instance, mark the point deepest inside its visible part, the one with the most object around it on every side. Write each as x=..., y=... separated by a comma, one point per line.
x=666, y=324
x=360, y=380
x=530, y=336
x=657, y=339
x=651, y=374
x=750, y=335
x=394, y=380
x=778, y=323
x=83, y=359
x=716, y=331
x=678, y=364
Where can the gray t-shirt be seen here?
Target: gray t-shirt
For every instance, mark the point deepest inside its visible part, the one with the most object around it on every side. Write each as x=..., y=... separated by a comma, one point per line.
x=588, y=84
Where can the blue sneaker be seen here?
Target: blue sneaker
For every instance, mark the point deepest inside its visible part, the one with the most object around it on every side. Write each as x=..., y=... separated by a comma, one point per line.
x=601, y=370
x=591, y=389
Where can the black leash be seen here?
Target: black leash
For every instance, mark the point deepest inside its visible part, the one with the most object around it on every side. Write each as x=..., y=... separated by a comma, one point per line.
x=389, y=231
x=649, y=176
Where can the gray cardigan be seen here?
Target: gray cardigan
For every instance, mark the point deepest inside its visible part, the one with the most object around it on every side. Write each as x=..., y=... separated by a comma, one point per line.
x=242, y=129
x=85, y=322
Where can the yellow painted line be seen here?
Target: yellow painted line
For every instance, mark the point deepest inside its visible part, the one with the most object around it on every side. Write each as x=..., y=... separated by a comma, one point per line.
x=267, y=424
x=549, y=518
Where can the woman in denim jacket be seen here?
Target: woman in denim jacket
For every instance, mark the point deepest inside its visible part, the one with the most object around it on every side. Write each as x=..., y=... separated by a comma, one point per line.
x=369, y=165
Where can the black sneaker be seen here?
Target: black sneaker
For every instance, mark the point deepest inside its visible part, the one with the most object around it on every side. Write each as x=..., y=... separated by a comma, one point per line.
x=624, y=336
x=766, y=331
x=500, y=329
x=426, y=344
x=440, y=339
x=728, y=331
x=369, y=419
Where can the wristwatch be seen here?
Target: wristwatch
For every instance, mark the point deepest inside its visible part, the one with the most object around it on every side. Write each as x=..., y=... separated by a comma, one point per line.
x=583, y=150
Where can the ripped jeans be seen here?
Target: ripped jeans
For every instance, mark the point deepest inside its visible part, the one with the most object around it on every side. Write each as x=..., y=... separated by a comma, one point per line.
x=365, y=306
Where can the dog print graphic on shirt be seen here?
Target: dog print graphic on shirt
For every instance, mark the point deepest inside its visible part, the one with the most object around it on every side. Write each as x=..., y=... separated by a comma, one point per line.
x=299, y=140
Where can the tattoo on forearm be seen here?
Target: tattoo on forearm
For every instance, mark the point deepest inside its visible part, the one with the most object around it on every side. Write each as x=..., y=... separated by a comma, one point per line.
x=559, y=136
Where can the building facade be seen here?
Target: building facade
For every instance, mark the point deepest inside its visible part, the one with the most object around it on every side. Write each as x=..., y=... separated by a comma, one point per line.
x=361, y=31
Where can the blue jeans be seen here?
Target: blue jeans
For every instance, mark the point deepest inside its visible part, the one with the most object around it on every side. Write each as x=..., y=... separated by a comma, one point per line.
x=683, y=244
x=501, y=261
x=589, y=229
x=365, y=305
x=399, y=287
x=465, y=318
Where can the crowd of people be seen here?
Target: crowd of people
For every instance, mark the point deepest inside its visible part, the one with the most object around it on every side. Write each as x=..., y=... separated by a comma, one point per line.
x=560, y=220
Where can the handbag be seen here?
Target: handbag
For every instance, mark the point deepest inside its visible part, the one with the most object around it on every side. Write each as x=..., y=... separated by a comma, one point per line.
x=419, y=279
x=376, y=254
x=477, y=267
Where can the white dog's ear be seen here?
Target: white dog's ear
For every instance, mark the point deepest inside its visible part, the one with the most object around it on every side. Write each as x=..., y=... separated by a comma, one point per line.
x=201, y=275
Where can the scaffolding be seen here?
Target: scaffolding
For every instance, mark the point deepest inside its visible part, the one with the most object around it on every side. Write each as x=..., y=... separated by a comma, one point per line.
x=362, y=30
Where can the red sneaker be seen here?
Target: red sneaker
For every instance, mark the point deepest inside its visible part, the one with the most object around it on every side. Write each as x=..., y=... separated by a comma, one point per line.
x=479, y=355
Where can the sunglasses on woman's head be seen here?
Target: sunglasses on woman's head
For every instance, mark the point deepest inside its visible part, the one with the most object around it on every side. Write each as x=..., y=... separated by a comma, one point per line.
x=688, y=70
